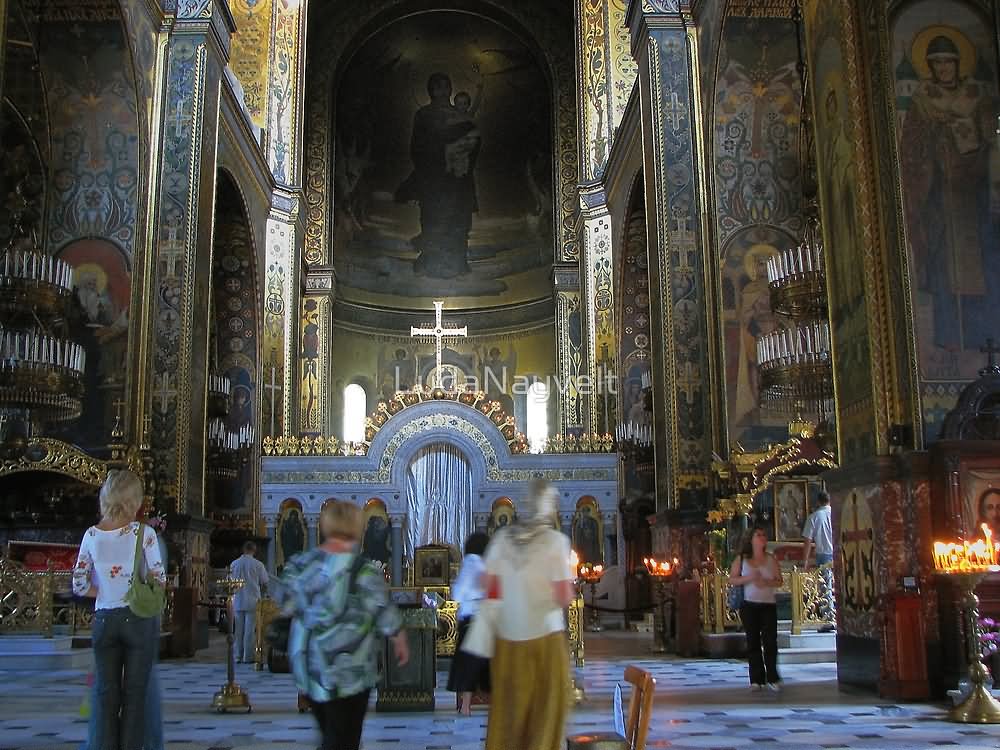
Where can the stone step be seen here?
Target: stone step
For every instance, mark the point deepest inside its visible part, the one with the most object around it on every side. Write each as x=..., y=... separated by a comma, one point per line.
x=36, y=653
x=806, y=655
x=807, y=640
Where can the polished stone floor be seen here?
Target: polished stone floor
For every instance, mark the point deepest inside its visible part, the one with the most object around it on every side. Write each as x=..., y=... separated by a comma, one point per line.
x=700, y=705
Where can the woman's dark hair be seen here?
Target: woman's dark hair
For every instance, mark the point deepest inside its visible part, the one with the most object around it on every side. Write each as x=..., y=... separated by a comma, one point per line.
x=476, y=543
x=746, y=545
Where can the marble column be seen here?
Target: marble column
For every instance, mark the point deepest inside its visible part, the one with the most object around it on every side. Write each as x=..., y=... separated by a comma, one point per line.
x=396, y=540
x=177, y=286
x=270, y=530
x=686, y=382
x=312, y=537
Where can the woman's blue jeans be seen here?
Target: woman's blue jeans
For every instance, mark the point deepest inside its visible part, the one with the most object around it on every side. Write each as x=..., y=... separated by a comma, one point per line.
x=125, y=648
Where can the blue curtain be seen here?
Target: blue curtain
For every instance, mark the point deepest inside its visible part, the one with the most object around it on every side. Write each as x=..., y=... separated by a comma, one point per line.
x=439, y=496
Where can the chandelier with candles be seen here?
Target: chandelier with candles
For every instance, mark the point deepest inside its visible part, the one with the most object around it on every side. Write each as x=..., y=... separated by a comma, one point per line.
x=227, y=449
x=796, y=372
x=41, y=368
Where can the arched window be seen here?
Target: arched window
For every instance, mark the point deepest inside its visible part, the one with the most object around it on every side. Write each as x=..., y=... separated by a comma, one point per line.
x=355, y=411
x=538, y=416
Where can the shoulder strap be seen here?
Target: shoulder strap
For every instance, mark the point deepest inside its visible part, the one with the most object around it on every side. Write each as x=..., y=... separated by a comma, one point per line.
x=138, y=552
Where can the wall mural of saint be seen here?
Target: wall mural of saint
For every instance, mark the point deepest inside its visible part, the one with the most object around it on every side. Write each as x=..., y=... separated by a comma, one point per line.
x=442, y=166
x=946, y=97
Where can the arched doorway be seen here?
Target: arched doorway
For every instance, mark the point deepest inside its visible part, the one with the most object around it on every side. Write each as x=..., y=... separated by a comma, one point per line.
x=439, y=496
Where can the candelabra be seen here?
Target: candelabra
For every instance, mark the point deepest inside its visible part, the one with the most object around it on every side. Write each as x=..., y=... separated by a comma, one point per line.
x=231, y=695
x=227, y=451
x=41, y=369
x=219, y=388
x=592, y=574
x=966, y=563
x=662, y=574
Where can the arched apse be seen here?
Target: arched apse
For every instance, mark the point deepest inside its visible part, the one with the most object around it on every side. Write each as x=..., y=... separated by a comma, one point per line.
x=235, y=330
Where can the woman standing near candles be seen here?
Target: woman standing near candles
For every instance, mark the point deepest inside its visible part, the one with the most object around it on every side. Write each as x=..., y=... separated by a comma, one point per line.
x=469, y=673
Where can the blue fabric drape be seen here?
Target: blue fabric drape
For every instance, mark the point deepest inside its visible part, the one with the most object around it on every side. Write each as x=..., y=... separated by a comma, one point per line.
x=439, y=496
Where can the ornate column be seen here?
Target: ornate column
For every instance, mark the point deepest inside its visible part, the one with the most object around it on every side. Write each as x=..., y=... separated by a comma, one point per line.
x=316, y=364
x=684, y=368
x=286, y=224
x=197, y=50
x=396, y=521
x=569, y=336
x=600, y=338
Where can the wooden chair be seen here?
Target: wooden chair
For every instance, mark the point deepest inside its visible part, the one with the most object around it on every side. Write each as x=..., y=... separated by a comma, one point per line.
x=640, y=707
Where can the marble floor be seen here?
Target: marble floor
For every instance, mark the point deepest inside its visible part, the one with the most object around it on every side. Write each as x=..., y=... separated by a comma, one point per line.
x=700, y=705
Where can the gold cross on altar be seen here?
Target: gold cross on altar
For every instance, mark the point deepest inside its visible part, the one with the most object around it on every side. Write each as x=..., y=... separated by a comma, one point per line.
x=439, y=332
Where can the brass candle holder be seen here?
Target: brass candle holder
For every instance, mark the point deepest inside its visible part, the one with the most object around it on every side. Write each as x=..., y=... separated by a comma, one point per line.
x=662, y=572
x=231, y=695
x=966, y=563
x=592, y=573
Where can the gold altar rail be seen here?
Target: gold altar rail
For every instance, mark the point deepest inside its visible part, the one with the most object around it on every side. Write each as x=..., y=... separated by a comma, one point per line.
x=41, y=602
x=807, y=588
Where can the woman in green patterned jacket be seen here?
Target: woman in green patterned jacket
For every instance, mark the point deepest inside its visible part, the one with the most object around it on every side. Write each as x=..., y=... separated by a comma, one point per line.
x=340, y=610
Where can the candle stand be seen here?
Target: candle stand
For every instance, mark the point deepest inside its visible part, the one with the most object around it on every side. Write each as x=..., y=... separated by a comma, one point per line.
x=592, y=574
x=231, y=695
x=662, y=574
x=966, y=563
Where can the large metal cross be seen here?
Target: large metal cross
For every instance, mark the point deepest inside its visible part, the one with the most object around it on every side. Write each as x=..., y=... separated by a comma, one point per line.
x=439, y=333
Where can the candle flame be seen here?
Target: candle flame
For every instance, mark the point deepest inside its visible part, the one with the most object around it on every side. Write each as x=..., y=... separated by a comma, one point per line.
x=963, y=556
x=659, y=567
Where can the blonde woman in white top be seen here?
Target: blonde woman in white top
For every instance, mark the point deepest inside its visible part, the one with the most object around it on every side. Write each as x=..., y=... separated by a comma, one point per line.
x=124, y=644
x=528, y=570
x=758, y=572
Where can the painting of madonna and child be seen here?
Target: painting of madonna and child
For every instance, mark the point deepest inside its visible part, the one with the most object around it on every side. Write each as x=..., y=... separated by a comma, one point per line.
x=442, y=169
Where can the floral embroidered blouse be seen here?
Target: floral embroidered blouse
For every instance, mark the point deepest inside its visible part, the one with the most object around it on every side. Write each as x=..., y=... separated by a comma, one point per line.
x=107, y=559
x=335, y=635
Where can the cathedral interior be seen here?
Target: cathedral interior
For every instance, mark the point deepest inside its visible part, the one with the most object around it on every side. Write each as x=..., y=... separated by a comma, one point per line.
x=676, y=257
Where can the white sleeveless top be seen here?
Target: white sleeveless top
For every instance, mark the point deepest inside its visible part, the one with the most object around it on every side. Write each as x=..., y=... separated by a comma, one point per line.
x=751, y=591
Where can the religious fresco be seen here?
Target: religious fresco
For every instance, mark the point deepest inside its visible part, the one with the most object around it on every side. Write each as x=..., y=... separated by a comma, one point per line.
x=292, y=533
x=95, y=131
x=945, y=67
x=746, y=315
x=235, y=295
x=102, y=279
x=587, y=531
x=375, y=542
x=757, y=106
x=837, y=111
x=442, y=169
x=249, y=54
x=634, y=345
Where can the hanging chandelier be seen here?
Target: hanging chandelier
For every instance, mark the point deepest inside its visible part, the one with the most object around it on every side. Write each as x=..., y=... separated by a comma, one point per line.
x=794, y=361
x=41, y=368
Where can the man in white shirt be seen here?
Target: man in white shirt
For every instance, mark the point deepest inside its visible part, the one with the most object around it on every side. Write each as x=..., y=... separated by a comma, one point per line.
x=254, y=576
x=818, y=533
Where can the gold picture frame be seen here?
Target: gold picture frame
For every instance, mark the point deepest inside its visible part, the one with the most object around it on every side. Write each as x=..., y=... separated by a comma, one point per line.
x=431, y=566
x=791, y=509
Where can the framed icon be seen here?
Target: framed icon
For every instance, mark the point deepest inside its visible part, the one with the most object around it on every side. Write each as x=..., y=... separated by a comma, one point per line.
x=791, y=508
x=431, y=566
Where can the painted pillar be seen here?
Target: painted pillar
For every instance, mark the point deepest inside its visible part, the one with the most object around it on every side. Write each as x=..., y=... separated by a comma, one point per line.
x=270, y=531
x=684, y=367
x=286, y=224
x=316, y=364
x=597, y=300
x=197, y=50
x=396, y=521
x=569, y=338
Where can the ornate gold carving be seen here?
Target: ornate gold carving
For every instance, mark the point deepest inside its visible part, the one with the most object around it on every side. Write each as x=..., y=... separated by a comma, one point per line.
x=447, y=632
x=47, y=454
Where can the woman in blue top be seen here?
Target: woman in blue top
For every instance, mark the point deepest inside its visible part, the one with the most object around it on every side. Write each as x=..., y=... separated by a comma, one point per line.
x=340, y=609
x=469, y=673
